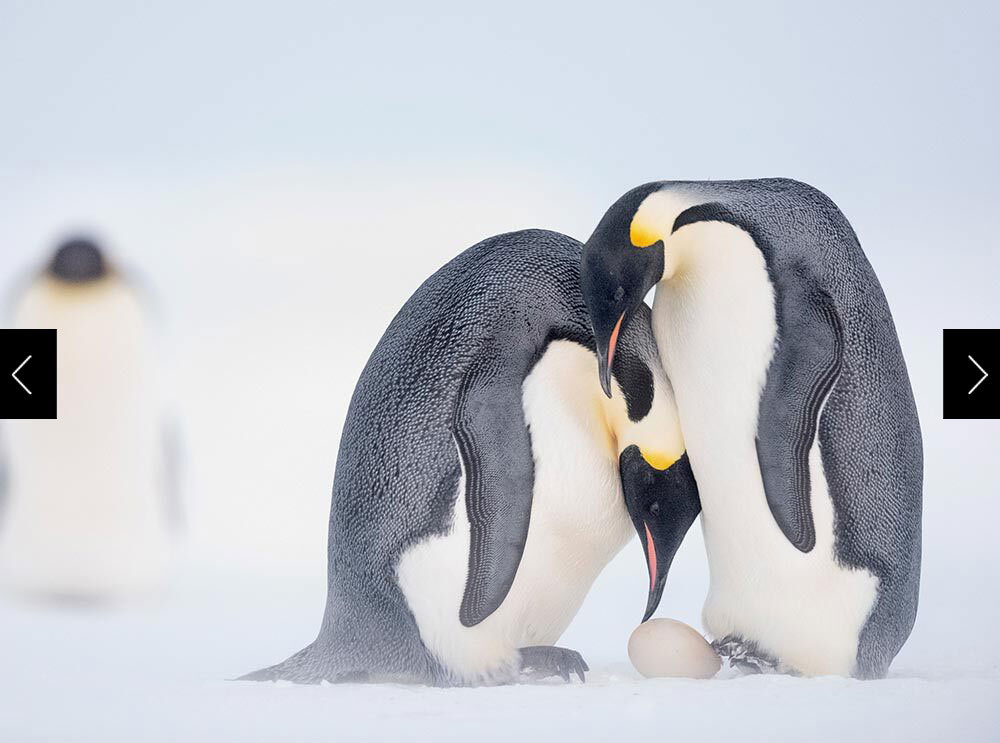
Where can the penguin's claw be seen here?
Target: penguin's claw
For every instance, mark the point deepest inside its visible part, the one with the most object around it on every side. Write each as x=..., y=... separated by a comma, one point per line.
x=744, y=656
x=541, y=661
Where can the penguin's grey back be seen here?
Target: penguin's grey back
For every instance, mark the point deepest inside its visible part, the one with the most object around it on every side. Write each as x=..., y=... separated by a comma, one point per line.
x=502, y=291
x=398, y=468
x=869, y=430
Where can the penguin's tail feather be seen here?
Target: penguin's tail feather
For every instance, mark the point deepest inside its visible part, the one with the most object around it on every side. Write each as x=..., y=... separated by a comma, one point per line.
x=308, y=666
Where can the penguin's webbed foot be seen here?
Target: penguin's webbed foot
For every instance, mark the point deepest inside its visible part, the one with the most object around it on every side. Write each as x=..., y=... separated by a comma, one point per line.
x=541, y=661
x=744, y=656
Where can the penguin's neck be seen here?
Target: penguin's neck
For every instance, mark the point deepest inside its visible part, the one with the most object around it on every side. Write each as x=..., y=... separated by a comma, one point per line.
x=714, y=322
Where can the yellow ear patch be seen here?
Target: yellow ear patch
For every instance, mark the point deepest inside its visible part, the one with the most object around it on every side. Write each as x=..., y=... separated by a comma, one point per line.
x=642, y=233
x=658, y=460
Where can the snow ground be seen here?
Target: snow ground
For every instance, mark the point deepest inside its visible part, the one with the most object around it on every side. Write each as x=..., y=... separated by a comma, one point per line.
x=157, y=673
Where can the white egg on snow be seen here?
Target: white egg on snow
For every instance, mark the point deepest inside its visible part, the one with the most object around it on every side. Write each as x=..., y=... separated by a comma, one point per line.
x=667, y=648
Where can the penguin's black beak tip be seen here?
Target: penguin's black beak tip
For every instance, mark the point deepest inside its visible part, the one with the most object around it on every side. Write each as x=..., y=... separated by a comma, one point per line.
x=655, y=594
x=604, y=369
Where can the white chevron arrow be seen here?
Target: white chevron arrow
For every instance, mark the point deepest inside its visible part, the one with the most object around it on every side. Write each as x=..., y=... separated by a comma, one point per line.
x=985, y=374
x=14, y=374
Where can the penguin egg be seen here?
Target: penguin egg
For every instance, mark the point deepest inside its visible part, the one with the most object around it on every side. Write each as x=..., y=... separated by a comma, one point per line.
x=667, y=648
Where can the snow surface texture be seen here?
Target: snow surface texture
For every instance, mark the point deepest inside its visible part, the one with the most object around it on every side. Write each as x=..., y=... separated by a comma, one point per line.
x=157, y=674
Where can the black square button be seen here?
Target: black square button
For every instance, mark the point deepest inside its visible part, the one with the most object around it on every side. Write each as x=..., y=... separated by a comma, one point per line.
x=972, y=373
x=27, y=374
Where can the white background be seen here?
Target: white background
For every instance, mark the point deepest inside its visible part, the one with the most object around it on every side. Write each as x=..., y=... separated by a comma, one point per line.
x=283, y=179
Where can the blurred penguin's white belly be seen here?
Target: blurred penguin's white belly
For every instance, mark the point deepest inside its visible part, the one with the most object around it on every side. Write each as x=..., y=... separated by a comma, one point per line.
x=578, y=524
x=715, y=327
x=86, y=516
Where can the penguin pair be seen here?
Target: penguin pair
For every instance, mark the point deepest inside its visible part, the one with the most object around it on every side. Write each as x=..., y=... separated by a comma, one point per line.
x=88, y=501
x=484, y=480
x=796, y=407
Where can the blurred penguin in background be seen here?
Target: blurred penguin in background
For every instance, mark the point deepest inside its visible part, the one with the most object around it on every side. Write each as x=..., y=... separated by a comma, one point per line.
x=89, y=501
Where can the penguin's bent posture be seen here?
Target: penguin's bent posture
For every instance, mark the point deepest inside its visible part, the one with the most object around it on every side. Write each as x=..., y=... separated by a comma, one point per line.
x=796, y=407
x=477, y=492
x=86, y=515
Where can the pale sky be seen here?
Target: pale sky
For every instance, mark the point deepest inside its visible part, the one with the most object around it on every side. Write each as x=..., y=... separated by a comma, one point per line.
x=895, y=99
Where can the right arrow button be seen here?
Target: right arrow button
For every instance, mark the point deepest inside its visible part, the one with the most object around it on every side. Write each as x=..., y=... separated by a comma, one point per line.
x=982, y=378
x=971, y=361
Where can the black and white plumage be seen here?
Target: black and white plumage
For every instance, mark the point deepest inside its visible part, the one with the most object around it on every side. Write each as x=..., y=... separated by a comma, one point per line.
x=477, y=491
x=796, y=407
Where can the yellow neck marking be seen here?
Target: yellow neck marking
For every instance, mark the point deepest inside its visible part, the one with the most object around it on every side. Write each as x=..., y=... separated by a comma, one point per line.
x=642, y=233
x=659, y=460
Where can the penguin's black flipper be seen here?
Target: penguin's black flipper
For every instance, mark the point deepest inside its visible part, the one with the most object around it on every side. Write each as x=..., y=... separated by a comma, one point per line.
x=806, y=364
x=495, y=447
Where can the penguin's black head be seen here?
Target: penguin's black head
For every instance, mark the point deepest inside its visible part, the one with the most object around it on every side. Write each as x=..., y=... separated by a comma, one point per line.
x=662, y=503
x=77, y=261
x=621, y=263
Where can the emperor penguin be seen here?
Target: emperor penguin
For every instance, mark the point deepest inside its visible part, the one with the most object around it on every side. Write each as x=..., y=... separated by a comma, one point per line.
x=89, y=509
x=477, y=492
x=797, y=412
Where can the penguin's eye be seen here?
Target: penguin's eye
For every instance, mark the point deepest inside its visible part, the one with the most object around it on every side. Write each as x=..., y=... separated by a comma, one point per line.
x=619, y=294
x=654, y=509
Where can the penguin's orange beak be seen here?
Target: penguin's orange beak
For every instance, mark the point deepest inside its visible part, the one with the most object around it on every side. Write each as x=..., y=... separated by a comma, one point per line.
x=650, y=559
x=605, y=369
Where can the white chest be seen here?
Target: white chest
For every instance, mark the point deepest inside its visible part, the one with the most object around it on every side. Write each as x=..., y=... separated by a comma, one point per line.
x=715, y=327
x=578, y=524
x=715, y=324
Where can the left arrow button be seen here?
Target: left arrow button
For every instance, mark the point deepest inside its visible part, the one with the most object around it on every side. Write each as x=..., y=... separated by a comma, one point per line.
x=14, y=374
x=28, y=388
